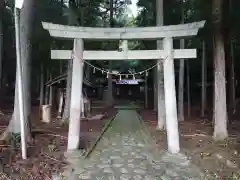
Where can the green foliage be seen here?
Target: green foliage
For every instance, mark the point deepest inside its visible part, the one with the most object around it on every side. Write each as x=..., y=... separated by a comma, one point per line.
x=96, y=14
x=14, y=140
x=15, y=137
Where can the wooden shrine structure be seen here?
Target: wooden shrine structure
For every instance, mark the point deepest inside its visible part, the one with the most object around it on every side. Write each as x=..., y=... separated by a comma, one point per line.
x=167, y=54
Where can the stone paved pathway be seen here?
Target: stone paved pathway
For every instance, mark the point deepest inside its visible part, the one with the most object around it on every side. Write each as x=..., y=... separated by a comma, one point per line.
x=126, y=152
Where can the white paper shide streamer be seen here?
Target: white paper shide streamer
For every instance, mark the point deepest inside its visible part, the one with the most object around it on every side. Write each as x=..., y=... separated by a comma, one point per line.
x=19, y=4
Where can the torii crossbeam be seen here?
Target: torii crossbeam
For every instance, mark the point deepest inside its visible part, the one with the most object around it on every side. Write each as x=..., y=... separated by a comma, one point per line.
x=167, y=33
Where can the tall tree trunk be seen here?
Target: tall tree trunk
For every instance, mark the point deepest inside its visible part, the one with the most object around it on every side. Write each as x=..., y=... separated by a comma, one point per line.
x=1, y=48
x=26, y=15
x=1, y=39
x=188, y=90
x=160, y=79
x=50, y=102
x=146, y=92
x=41, y=95
x=232, y=95
x=181, y=86
x=81, y=5
x=181, y=76
x=220, y=112
x=88, y=72
x=155, y=89
x=71, y=21
x=66, y=113
x=110, y=89
x=204, y=81
x=231, y=63
x=60, y=67
x=46, y=98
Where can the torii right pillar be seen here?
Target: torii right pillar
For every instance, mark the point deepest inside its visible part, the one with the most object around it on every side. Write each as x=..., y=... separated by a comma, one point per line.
x=170, y=97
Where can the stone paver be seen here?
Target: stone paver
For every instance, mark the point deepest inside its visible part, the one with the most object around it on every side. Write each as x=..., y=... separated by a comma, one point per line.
x=126, y=153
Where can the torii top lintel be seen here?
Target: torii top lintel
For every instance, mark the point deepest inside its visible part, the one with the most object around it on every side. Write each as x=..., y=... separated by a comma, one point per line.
x=73, y=32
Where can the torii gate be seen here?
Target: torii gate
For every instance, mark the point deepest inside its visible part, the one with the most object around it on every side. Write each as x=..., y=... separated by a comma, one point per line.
x=167, y=33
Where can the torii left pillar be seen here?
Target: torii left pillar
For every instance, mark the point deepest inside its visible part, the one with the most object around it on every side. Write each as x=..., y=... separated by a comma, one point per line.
x=76, y=95
x=170, y=98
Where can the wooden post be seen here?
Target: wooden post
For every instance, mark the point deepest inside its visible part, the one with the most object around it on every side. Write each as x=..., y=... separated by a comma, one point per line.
x=170, y=98
x=76, y=95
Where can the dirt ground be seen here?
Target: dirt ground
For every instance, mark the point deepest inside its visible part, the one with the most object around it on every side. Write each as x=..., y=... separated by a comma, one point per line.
x=46, y=151
x=221, y=160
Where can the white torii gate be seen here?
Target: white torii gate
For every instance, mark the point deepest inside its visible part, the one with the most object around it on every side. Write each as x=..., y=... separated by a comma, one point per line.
x=167, y=33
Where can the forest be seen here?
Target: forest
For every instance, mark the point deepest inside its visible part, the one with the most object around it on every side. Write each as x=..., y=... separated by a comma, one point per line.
x=207, y=88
